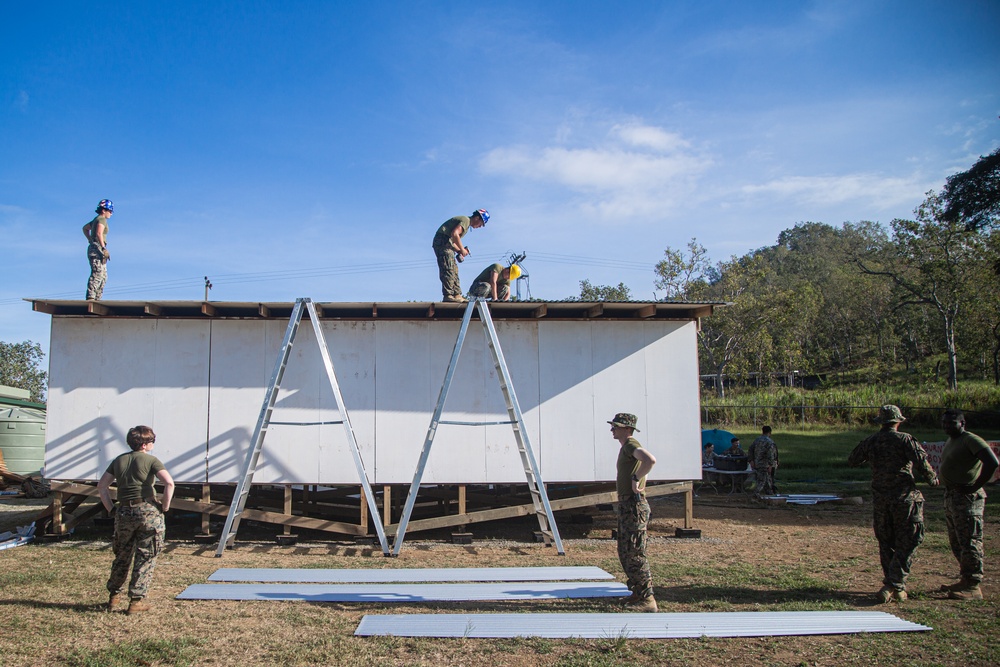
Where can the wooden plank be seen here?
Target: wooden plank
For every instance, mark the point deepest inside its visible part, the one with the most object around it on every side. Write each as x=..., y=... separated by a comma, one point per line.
x=263, y=310
x=208, y=309
x=97, y=309
x=646, y=311
x=594, y=311
x=152, y=309
x=540, y=312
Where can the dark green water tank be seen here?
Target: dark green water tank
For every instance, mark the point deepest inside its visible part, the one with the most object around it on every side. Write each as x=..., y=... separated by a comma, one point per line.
x=22, y=439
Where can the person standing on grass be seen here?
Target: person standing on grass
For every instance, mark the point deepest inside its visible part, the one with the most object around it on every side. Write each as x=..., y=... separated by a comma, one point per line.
x=634, y=463
x=763, y=456
x=139, y=526
x=897, y=504
x=967, y=463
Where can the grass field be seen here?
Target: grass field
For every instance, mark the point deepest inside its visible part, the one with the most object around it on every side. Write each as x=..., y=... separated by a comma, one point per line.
x=751, y=557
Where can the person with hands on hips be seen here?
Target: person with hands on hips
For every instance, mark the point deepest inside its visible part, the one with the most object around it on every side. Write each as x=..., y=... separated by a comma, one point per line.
x=634, y=463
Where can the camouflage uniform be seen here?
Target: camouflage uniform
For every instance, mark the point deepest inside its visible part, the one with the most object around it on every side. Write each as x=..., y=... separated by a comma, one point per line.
x=98, y=265
x=139, y=531
x=964, y=514
x=633, y=519
x=898, y=505
x=763, y=453
x=445, y=253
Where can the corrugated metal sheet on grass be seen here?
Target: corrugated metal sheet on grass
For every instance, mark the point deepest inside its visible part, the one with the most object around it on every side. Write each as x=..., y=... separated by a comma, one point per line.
x=402, y=592
x=640, y=626
x=369, y=576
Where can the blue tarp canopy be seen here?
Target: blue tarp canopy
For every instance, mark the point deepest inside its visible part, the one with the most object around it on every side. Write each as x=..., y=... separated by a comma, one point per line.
x=721, y=440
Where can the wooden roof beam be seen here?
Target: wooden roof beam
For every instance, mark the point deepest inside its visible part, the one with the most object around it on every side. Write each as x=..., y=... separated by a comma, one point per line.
x=152, y=309
x=95, y=308
x=646, y=311
x=540, y=312
x=208, y=309
x=594, y=311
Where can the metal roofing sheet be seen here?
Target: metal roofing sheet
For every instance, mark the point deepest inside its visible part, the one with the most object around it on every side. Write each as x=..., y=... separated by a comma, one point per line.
x=643, y=626
x=402, y=592
x=306, y=575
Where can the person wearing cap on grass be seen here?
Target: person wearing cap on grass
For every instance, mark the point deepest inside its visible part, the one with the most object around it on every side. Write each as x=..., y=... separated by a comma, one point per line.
x=494, y=282
x=967, y=463
x=898, y=507
x=634, y=463
x=96, y=232
x=448, y=244
x=139, y=526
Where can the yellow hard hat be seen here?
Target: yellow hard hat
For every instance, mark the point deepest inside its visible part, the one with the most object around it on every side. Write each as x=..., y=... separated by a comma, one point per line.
x=515, y=272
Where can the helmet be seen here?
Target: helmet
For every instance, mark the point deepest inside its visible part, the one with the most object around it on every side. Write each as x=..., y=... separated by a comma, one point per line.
x=515, y=271
x=106, y=204
x=483, y=213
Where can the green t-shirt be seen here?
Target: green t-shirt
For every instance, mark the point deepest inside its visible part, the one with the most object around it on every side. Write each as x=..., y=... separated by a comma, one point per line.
x=627, y=465
x=93, y=229
x=959, y=464
x=448, y=228
x=486, y=275
x=134, y=474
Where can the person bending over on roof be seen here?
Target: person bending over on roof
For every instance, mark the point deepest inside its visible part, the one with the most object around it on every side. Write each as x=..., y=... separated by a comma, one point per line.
x=448, y=244
x=494, y=282
x=139, y=526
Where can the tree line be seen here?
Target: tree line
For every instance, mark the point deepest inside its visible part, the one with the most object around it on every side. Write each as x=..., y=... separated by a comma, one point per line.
x=859, y=301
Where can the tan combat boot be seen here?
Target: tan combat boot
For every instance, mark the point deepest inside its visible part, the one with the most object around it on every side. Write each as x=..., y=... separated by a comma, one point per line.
x=885, y=594
x=900, y=595
x=967, y=589
x=138, y=605
x=643, y=605
x=112, y=601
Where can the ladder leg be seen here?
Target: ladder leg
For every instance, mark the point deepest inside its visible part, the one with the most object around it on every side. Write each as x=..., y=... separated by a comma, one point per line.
x=536, y=486
x=359, y=463
x=411, y=497
x=260, y=430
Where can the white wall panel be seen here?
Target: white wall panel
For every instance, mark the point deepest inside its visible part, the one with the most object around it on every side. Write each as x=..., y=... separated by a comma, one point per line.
x=108, y=374
x=566, y=391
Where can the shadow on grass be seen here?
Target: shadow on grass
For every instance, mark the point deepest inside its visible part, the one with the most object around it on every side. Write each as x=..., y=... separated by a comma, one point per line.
x=65, y=606
x=723, y=595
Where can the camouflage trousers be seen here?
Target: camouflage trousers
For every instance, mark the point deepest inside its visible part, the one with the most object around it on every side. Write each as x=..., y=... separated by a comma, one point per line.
x=98, y=272
x=447, y=267
x=764, y=481
x=964, y=514
x=633, y=517
x=139, y=533
x=899, y=529
x=485, y=291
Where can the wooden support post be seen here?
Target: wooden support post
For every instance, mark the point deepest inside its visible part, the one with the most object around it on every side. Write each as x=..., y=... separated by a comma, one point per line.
x=386, y=505
x=364, y=509
x=689, y=508
x=288, y=508
x=57, y=514
x=206, y=497
x=461, y=499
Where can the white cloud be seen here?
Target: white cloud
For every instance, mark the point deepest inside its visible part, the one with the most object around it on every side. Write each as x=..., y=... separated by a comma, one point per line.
x=866, y=190
x=635, y=169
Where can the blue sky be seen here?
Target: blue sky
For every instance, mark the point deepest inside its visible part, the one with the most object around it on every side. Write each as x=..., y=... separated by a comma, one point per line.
x=291, y=149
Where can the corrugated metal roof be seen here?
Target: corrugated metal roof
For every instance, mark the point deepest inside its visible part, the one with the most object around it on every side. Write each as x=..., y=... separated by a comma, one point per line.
x=499, y=310
x=639, y=626
x=370, y=576
x=402, y=592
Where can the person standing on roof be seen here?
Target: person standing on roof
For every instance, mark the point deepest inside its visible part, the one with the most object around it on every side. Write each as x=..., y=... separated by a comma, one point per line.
x=898, y=507
x=96, y=232
x=494, y=282
x=448, y=248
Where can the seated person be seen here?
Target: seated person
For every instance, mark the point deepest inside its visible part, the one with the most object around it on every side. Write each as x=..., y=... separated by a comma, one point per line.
x=735, y=449
x=708, y=456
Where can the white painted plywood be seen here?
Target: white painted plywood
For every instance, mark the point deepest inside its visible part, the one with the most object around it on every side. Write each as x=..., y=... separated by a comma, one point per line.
x=107, y=376
x=570, y=376
x=566, y=392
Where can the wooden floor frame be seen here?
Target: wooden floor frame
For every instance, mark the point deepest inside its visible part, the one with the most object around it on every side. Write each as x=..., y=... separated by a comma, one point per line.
x=328, y=509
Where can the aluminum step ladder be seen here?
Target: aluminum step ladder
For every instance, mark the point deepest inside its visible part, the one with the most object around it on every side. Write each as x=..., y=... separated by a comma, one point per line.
x=264, y=420
x=536, y=487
